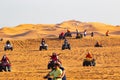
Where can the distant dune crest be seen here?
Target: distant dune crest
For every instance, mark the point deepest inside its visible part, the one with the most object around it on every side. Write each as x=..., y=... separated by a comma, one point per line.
x=45, y=30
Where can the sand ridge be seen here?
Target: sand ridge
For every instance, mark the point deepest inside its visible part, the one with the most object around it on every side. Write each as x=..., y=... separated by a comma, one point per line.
x=46, y=30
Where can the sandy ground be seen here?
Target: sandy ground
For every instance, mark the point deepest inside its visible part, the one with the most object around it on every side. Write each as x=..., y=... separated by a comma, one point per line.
x=28, y=63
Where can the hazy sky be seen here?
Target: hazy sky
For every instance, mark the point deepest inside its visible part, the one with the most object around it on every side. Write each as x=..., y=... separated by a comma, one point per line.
x=15, y=12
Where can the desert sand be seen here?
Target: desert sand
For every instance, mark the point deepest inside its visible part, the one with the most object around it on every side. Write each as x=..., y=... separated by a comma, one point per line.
x=28, y=63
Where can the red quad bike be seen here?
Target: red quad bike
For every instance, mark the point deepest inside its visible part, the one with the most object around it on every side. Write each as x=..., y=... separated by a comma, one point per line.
x=5, y=67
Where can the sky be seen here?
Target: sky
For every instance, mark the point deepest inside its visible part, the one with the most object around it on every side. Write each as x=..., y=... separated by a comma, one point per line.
x=15, y=12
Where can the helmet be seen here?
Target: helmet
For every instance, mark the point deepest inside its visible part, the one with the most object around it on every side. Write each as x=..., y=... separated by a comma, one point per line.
x=53, y=53
x=4, y=56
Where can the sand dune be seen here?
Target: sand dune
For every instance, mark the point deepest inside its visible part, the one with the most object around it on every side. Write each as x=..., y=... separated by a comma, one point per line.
x=115, y=33
x=26, y=34
x=47, y=30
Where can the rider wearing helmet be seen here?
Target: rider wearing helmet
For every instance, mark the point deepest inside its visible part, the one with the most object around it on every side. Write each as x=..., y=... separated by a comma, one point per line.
x=98, y=44
x=68, y=30
x=65, y=41
x=107, y=33
x=43, y=41
x=85, y=32
x=77, y=32
x=5, y=60
x=54, y=57
x=92, y=34
x=62, y=34
x=8, y=42
x=88, y=56
x=56, y=73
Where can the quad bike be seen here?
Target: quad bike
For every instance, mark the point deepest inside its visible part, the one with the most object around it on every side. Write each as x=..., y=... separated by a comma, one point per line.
x=88, y=62
x=5, y=67
x=8, y=47
x=66, y=46
x=79, y=36
x=61, y=36
x=67, y=34
x=43, y=46
x=96, y=45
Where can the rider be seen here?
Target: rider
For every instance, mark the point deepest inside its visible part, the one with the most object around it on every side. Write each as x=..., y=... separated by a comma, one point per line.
x=92, y=34
x=54, y=57
x=8, y=42
x=5, y=59
x=65, y=41
x=98, y=44
x=43, y=41
x=56, y=73
x=77, y=32
x=62, y=34
x=88, y=56
x=107, y=33
x=85, y=32
x=63, y=76
x=68, y=31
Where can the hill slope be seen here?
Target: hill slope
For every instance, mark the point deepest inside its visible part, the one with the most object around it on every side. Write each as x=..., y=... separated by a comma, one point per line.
x=52, y=30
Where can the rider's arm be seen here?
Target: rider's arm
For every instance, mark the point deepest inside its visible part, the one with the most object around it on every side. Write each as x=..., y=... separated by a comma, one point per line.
x=63, y=73
x=48, y=75
x=8, y=60
x=58, y=54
